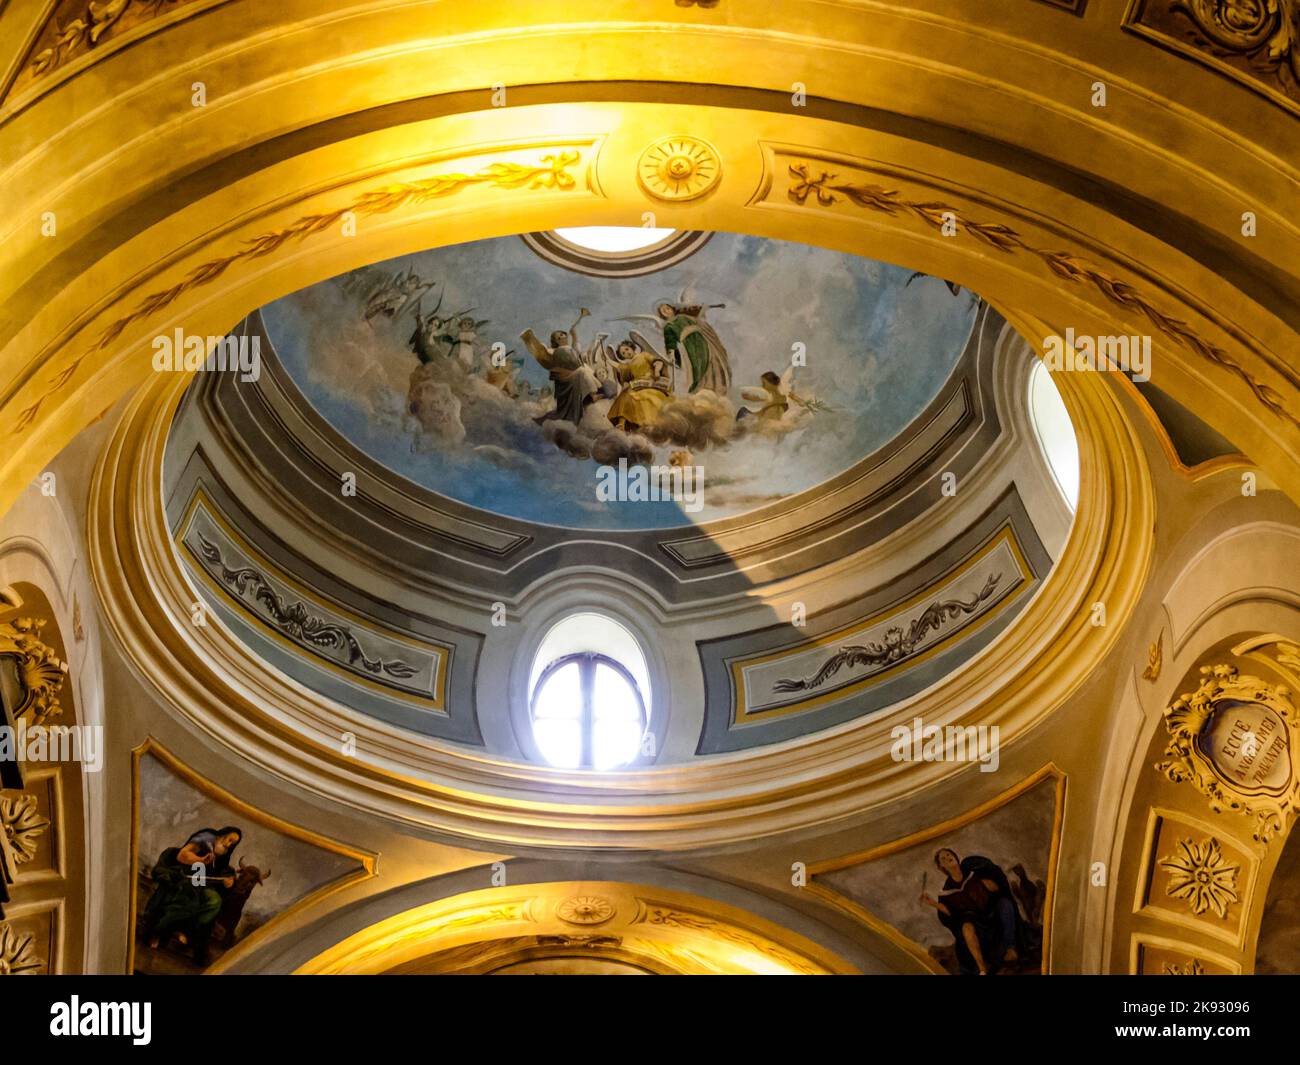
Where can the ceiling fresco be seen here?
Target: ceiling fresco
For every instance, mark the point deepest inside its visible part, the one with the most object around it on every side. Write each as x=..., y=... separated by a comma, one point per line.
x=754, y=370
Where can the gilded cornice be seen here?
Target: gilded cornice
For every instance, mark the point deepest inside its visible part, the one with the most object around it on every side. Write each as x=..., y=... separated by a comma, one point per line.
x=970, y=104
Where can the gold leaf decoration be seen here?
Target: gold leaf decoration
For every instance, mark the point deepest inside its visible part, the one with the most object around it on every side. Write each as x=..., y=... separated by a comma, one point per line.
x=1155, y=659
x=40, y=670
x=585, y=909
x=1191, y=968
x=1186, y=762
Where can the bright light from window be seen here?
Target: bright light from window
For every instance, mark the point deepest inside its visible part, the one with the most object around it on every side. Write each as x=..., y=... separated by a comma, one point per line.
x=589, y=690
x=614, y=239
x=1055, y=432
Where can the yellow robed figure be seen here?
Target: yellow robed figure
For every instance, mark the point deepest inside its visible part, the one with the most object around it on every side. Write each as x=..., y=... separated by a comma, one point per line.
x=643, y=376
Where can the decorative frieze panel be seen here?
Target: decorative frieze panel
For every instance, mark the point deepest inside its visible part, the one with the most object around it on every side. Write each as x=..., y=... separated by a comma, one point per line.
x=368, y=654
x=847, y=660
x=857, y=658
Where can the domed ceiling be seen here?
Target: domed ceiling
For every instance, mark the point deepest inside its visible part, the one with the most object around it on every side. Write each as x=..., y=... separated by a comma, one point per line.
x=767, y=367
x=413, y=488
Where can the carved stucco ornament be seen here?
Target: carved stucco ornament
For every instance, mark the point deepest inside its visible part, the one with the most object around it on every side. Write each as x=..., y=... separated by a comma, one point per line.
x=1267, y=31
x=677, y=169
x=585, y=909
x=22, y=825
x=17, y=953
x=40, y=670
x=1234, y=739
x=1201, y=876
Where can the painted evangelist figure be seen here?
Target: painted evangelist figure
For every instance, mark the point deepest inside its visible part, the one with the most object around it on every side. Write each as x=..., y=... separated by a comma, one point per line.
x=484, y=373
x=208, y=875
x=971, y=899
x=196, y=895
x=992, y=924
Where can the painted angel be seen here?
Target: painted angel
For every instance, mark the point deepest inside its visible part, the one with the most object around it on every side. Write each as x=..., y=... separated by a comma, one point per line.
x=690, y=341
x=391, y=299
x=781, y=409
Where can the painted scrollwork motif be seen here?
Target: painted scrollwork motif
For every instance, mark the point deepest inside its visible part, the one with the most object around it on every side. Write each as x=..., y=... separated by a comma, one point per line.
x=1234, y=740
x=294, y=620
x=897, y=643
x=1267, y=31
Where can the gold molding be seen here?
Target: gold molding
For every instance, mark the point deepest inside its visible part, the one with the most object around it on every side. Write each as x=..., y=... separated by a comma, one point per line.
x=892, y=934
x=998, y=237
x=682, y=932
x=938, y=92
x=550, y=171
x=367, y=860
x=206, y=677
x=1202, y=470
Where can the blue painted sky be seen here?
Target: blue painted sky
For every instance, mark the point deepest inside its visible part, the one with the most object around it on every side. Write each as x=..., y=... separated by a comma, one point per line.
x=878, y=350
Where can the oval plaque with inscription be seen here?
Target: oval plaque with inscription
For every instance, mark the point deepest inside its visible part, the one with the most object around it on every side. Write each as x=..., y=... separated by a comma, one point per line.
x=1248, y=746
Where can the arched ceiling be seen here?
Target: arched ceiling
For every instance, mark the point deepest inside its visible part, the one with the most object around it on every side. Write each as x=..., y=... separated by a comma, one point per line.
x=226, y=179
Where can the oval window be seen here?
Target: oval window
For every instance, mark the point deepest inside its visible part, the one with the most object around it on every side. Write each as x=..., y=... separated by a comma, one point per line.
x=588, y=694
